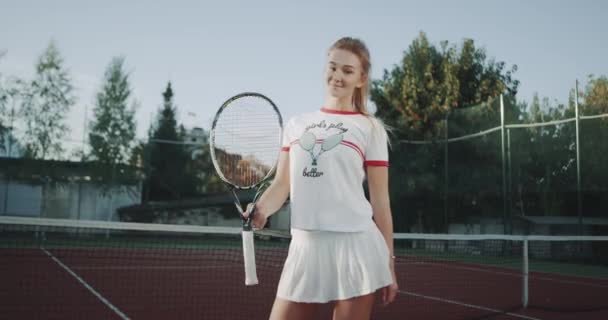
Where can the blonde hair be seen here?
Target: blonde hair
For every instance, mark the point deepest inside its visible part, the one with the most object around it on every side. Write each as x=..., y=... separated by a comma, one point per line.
x=358, y=48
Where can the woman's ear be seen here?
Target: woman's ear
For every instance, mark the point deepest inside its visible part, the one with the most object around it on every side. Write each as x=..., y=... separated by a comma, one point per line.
x=362, y=81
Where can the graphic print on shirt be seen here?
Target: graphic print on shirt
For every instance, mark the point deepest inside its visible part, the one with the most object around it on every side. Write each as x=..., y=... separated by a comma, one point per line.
x=308, y=141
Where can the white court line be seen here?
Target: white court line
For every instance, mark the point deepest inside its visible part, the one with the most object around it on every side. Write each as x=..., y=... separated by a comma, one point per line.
x=447, y=266
x=154, y=267
x=86, y=285
x=512, y=274
x=141, y=267
x=516, y=315
x=570, y=282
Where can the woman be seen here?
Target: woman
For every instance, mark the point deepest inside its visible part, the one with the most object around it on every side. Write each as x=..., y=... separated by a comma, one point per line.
x=341, y=248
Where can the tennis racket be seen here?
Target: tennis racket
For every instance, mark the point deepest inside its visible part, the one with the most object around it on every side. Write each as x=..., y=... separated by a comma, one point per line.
x=245, y=143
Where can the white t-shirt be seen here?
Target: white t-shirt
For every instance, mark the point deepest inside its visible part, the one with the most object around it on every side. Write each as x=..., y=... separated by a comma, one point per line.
x=328, y=152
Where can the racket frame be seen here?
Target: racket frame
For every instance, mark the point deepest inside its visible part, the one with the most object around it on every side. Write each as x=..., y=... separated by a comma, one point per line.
x=233, y=187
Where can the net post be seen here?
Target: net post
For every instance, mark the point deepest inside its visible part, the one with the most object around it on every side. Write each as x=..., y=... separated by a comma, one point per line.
x=111, y=190
x=524, y=296
x=578, y=163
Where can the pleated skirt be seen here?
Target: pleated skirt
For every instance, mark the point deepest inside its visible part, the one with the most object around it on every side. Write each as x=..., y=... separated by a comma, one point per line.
x=324, y=266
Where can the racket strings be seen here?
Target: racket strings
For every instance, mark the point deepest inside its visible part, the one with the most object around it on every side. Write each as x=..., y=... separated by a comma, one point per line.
x=247, y=140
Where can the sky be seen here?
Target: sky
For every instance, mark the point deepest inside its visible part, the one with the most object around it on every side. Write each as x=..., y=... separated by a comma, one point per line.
x=212, y=50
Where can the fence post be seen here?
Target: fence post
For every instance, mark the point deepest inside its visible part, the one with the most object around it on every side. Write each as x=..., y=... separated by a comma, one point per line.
x=446, y=173
x=506, y=229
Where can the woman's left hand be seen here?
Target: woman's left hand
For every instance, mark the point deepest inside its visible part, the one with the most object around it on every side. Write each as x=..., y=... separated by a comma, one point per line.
x=390, y=292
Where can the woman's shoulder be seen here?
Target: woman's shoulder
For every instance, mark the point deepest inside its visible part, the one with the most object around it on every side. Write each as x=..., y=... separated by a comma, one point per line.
x=302, y=117
x=377, y=130
x=372, y=123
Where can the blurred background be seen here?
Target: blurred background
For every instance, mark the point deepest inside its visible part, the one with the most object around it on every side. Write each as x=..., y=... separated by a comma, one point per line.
x=497, y=114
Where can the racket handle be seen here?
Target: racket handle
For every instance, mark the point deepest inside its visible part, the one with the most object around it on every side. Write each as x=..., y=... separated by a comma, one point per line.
x=251, y=277
x=247, y=221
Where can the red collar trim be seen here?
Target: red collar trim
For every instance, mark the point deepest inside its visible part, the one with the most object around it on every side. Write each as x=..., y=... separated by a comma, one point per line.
x=332, y=111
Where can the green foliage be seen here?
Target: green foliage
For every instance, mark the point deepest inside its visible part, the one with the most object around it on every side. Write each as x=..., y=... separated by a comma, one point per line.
x=46, y=103
x=170, y=174
x=3, y=103
x=112, y=134
x=11, y=93
x=209, y=182
x=543, y=160
x=595, y=95
x=593, y=147
x=430, y=84
x=416, y=95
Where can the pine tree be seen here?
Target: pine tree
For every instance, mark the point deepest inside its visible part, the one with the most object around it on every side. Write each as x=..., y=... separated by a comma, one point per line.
x=112, y=135
x=167, y=156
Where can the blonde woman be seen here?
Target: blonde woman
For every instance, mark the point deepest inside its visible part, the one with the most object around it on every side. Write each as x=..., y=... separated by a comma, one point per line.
x=342, y=244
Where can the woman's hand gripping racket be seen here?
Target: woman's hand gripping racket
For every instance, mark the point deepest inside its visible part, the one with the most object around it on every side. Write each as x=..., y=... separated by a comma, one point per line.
x=245, y=143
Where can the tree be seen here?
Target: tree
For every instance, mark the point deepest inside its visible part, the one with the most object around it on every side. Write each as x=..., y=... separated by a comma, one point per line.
x=10, y=97
x=167, y=165
x=46, y=103
x=202, y=166
x=543, y=160
x=3, y=102
x=11, y=94
x=112, y=135
x=420, y=90
x=414, y=99
x=415, y=96
x=593, y=146
x=596, y=95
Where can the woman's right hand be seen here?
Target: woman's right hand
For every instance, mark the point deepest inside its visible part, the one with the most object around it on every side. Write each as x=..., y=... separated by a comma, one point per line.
x=259, y=219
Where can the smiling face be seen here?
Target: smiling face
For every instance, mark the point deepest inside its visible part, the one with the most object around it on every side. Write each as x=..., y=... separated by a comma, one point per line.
x=343, y=74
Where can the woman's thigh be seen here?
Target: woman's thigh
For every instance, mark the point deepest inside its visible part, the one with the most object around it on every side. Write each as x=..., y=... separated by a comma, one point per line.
x=358, y=308
x=288, y=310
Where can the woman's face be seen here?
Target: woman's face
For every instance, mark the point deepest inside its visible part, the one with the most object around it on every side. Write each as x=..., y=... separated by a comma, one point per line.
x=343, y=74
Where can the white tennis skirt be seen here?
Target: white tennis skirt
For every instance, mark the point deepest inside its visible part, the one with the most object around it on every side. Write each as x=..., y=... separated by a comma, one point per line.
x=324, y=266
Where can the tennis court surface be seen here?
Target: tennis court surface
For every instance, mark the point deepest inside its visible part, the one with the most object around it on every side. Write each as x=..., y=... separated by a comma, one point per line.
x=59, y=269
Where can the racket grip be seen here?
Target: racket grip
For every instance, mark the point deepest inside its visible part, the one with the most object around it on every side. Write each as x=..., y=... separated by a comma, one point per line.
x=247, y=221
x=251, y=277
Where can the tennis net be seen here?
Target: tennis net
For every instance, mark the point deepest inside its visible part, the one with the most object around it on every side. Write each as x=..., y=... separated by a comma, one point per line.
x=65, y=269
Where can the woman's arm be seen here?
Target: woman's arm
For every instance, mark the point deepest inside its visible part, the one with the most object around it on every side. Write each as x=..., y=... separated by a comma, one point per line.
x=377, y=179
x=274, y=197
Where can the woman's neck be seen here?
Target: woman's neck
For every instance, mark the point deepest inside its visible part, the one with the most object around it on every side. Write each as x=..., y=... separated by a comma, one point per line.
x=339, y=104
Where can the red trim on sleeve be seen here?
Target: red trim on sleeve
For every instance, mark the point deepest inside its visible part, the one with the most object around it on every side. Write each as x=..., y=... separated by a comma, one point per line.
x=375, y=163
x=285, y=149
